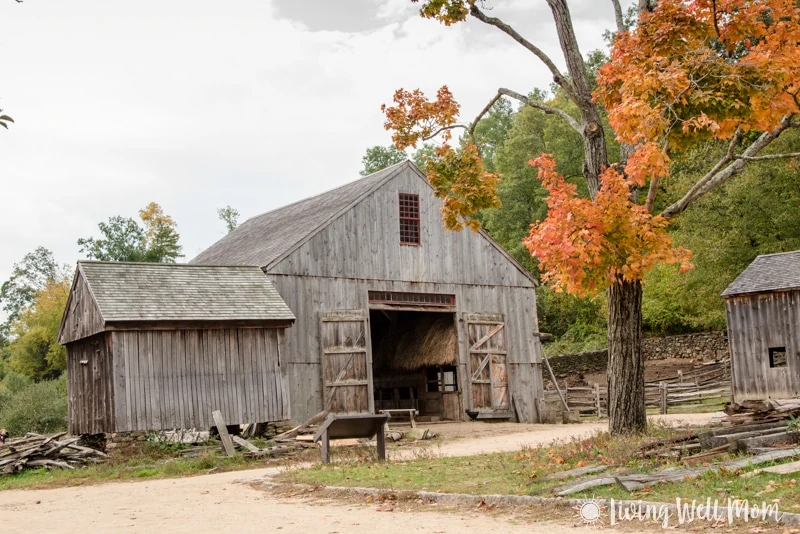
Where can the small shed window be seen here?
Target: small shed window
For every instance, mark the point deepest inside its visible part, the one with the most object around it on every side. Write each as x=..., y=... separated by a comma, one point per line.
x=409, y=219
x=777, y=356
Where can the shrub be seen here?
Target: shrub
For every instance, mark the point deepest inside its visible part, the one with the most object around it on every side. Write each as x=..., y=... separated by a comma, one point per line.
x=39, y=407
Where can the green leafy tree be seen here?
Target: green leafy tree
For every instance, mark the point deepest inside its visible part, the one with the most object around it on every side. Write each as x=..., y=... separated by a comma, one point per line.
x=160, y=235
x=28, y=277
x=123, y=239
x=754, y=214
x=380, y=157
x=230, y=216
x=492, y=131
x=35, y=351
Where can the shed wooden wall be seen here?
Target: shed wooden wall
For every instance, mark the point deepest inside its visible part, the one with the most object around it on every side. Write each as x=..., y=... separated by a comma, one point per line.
x=83, y=318
x=308, y=296
x=177, y=378
x=91, y=390
x=755, y=323
x=166, y=379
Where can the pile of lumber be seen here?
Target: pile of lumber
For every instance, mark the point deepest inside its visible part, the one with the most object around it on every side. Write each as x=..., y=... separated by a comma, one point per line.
x=761, y=411
x=36, y=450
x=637, y=481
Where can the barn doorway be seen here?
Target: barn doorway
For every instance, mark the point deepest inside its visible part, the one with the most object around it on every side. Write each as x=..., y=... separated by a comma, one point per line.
x=415, y=361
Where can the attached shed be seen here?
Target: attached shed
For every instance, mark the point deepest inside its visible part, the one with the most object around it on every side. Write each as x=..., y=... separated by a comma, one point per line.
x=763, y=314
x=393, y=310
x=160, y=346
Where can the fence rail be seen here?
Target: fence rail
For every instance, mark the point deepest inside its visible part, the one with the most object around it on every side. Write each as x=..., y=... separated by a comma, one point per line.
x=707, y=386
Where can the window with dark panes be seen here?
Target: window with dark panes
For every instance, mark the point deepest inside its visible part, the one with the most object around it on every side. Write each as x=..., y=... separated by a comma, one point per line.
x=409, y=219
x=777, y=356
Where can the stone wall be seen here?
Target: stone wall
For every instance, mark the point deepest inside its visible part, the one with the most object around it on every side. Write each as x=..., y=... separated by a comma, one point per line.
x=705, y=346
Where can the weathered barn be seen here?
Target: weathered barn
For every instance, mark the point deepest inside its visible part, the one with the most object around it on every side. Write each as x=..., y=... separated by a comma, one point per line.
x=763, y=314
x=393, y=310
x=161, y=346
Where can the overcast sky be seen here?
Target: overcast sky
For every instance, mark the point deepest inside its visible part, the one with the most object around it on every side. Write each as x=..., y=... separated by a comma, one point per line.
x=196, y=104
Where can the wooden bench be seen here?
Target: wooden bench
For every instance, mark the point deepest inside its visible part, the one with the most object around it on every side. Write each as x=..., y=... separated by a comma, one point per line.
x=351, y=426
x=410, y=412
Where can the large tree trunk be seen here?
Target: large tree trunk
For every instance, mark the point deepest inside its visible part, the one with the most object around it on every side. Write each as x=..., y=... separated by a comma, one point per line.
x=626, y=408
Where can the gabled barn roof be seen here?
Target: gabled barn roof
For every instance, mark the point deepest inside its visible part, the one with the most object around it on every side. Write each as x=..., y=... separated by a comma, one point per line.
x=770, y=272
x=124, y=293
x=265, y=238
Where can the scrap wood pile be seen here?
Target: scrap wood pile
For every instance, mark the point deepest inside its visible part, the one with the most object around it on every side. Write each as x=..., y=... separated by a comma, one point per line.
x=36, y=450
x=761, y=411
x=636, y=481
x=762, y=443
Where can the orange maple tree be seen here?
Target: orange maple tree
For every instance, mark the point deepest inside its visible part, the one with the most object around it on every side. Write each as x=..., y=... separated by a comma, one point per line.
x=585, y=245
x=690, y=70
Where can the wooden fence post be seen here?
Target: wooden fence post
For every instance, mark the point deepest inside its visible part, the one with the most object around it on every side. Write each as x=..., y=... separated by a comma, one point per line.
x=662, y=387
x=680, y=376
x=596, y=388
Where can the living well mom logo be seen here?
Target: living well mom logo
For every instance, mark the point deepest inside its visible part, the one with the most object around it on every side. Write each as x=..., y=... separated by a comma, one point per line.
x=684, y=511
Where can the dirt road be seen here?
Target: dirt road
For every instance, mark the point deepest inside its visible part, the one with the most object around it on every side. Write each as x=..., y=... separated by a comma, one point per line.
x=214, y=503
x=465, y=439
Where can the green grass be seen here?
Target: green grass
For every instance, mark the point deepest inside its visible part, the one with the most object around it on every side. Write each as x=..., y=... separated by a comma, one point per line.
x=484, y=474
x=524, y=472
x=721, y=486
x=150, y=461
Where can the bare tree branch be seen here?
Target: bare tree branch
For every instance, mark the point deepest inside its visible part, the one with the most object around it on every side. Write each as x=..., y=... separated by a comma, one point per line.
x=484, y=111
x=770, y=156
x=726, y=168
x=569, y=119
x=444, y=128
x=618, y=16
x=558, y=76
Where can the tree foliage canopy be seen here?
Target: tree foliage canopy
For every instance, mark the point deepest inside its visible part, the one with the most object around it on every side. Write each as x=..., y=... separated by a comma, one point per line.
x=35, y=351
x=154, y=240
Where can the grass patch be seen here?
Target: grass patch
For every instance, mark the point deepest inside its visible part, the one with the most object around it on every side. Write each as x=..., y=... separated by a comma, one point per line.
x=147, y=461
x=524, y=473
x=484, y=474
x=721, y=486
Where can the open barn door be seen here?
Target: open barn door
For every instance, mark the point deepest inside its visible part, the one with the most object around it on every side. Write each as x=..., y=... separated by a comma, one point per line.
x=487, y=360
x=346, y=361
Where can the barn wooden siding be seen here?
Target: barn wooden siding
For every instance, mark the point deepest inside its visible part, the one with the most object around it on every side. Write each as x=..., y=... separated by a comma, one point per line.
x=360, y=251
x=364, y=244
x=91, y=394
x=757, y=322
x=176, y=378
x=82, y=318
x=310, y=296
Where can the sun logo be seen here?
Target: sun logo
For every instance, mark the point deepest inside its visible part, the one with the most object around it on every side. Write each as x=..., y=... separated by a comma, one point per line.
x=590, y=511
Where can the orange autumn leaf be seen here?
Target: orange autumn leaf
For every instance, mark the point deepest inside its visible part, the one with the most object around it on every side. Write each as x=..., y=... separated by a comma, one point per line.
x=700, y=69
x=457, y=176
x=584, y=246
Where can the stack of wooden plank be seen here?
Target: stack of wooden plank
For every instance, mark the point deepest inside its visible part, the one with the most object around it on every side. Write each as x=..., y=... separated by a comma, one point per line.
x=36, y=450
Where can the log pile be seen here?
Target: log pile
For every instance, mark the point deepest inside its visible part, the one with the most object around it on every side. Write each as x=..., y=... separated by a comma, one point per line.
x=36, y=450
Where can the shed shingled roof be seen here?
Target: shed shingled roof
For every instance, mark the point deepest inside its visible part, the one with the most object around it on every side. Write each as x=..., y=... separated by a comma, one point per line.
x=265, y=238
x=180, y=292
x=770, y=272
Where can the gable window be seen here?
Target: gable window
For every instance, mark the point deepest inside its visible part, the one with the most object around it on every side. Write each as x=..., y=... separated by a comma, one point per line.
x=777, y=356
x=409, y=219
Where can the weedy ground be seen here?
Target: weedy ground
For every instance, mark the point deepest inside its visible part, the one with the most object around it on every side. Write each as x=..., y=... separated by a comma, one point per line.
x=525, y=473
x=147, y=460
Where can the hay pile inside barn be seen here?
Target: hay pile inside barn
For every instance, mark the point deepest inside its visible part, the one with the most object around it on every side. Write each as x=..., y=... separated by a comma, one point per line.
x=426, y=344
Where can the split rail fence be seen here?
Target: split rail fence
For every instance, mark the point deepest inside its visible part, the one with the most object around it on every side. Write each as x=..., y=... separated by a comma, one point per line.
x=706, y=387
